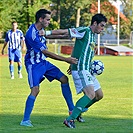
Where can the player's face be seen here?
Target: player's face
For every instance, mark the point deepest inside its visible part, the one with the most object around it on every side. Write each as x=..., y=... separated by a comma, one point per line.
x=14, y=26
x=46, y=21
x=100, y=27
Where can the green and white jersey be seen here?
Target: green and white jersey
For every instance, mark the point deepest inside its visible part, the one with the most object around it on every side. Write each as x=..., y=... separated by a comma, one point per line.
x=84, y=47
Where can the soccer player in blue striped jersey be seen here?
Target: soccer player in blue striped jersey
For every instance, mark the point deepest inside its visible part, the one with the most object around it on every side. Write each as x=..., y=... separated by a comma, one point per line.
x=15, y=40
x=84, y=50
x=38, y=68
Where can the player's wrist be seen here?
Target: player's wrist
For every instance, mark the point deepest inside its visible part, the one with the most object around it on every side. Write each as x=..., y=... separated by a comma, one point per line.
x=47, y=33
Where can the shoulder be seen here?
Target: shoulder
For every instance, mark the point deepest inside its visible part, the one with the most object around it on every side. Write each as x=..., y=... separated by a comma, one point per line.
x=9, y=31
x=32, y=28
x=82, y=29
x=32, y=32
x=20, y=31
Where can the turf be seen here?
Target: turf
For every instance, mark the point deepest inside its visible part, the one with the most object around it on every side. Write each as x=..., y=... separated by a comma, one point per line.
x=113, y=114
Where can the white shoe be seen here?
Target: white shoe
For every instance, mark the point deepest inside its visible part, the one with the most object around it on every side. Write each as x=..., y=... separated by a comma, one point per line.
x=20, y=75
x=26, y=123
x=12, y=76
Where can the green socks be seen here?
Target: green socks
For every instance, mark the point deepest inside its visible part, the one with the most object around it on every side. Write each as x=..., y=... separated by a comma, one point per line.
x=89, y=104
x=80, y=105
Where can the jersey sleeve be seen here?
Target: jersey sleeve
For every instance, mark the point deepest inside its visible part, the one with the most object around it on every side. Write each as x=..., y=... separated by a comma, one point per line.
x=77, y=32
x=22, y=35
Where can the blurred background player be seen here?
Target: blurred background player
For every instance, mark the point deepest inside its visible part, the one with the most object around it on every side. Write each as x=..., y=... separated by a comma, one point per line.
x=15, y=40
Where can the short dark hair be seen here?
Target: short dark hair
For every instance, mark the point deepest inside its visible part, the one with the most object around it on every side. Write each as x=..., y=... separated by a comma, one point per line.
x=14, y=22
x=41, y=14
x=98, y=18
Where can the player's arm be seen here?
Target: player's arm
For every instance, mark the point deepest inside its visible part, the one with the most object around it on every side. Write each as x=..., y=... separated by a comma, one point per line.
x=69, y=60
x=65, y=33
x=60, y=32
x=58, y=37
x=55, y=34
x=69, y=72
x=5, y=43
x=23, y=44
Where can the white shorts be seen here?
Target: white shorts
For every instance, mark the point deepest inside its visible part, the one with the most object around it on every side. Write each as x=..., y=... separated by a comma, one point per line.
x=82, y=79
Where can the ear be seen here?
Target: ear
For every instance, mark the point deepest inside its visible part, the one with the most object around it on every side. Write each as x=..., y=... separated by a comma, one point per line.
x=40, y=19
x=95, y=23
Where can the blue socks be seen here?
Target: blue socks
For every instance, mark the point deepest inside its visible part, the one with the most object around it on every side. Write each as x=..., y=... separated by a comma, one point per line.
x=29, y=107
x=11, y=68
x=67, y=95
x=19, y=69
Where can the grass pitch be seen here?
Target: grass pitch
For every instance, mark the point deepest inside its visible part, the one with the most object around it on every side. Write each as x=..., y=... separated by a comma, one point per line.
x=113, y=114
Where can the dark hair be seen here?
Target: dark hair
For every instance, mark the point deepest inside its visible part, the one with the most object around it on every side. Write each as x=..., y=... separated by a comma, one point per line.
x=14, y=22
x=98, y=18
x=41, y=14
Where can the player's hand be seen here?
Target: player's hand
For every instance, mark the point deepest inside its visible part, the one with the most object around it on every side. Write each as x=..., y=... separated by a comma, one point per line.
x=42, y=32
x=24, y=48
x=69, y=70
x=71, y=60
x=2, y=51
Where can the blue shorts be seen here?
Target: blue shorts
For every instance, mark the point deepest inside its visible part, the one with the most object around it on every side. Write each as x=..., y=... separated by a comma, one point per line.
x=38, y=72
x=15, y=55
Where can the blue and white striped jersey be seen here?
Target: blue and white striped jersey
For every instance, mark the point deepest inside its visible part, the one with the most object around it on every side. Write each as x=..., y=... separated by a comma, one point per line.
x=14, y=39
x=35, y=44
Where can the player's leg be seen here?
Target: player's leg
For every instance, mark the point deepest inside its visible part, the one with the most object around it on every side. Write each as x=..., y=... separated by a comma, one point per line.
x=81, y=79
x=11, y=68
x=54, y=73
x=29, y=107
x=34, y=75
x=80, y=105
x=82, y=102
x=97, y=89
x=19, y=70
x=66, y=92
x=11, y=62
x=68, y=95
x=18, y=59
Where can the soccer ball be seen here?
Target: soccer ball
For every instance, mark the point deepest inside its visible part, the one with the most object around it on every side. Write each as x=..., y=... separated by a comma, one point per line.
x=97, y=67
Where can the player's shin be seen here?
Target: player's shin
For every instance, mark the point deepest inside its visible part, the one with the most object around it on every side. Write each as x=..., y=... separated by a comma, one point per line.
x=89, y=104
x=11, y=68
x=67, y=95
x=80, y=105
x=29, y=107
x=19, y=69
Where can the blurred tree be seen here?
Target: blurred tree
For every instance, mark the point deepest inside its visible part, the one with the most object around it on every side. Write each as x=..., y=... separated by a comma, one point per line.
x=23, y=11
x=9, y=12
x=65, y=13
x=126, y=28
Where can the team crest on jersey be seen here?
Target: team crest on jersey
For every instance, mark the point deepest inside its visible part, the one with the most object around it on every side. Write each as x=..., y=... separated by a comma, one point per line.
x=92, y=45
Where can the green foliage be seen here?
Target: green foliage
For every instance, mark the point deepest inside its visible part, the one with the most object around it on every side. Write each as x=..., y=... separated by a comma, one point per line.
x=64, y=13
x=9, y=12
x=53, y=25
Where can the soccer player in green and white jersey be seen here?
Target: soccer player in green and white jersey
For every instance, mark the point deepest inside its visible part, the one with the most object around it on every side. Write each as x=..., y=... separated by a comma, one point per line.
x=84, y=50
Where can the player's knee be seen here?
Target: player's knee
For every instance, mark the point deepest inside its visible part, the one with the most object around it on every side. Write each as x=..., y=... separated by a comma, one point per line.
x=91, y=95
x=35, y=91
x=99, y=97
x=99, y=94
x=64, y=79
